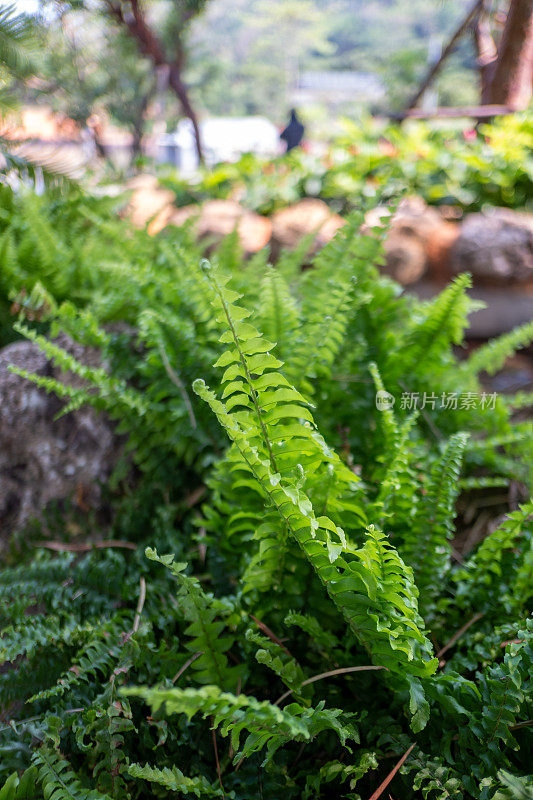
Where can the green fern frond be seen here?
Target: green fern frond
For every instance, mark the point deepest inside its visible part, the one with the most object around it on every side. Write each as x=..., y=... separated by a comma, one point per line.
x=37, y=632
x=397, y=500
x=58, y=780
x=80, y=324
x=265, y=568
x=519, y=787
x=432, y=777
x=105, y=646
x=504, y=691
x=275, y=658
x=336, y=771
x=311, y=626
x=321, y=334
x=16, y=45
x=489, y=555
x=364, y=584
x=61, y=585
x=479, y=582
x=492, y=356
x=8, y=263
x=517, y=401
x=522, y=589
x=442, y=323
x=427, y=547
x=483, y=483
x=20, y=788
x=278, y=314
x=49, y=248
x=104, y=725
x=520, y=432
x=271, y=409
x=97, y=376
x=291, y=260
x=391, y=430
x=265, y=725
x=204, y=630
x=175, y=781
x=229, y=254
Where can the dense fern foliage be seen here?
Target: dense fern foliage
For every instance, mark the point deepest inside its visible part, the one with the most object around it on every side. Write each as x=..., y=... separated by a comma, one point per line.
x=311, y=624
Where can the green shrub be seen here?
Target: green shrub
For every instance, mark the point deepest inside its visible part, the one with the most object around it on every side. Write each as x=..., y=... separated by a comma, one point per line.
x=438, y=161
x=309, y=625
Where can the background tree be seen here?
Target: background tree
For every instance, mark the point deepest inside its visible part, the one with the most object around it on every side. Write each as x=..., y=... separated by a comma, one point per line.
x=287, y=35
x=506, y=68
x=22, y=45
x=92, y=67
x=241, y=50
x=162, y=41
x=157, y=33
x=17, y=54
x=507, y=73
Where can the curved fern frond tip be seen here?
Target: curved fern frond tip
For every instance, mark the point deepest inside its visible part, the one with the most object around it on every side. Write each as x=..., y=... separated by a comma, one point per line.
x=262, y=723
x=173, y=780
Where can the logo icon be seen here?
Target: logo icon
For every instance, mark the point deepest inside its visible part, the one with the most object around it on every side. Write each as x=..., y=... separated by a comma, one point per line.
x=384, y=400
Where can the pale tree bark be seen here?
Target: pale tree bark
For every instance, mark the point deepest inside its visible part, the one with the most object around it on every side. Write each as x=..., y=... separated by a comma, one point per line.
x=506, y=71
x=486, y=49
x=131, y=16
x=509, y=79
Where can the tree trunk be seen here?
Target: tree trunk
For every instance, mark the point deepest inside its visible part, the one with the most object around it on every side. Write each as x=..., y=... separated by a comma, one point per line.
x=138, y=126
x=150, y=46
x=176, y=84
x=511, y=74
x=95, y=129
x=136, y=142
x=486, y=50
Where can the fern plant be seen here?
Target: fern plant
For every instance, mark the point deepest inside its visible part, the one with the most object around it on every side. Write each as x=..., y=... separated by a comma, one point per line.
x=311, y=627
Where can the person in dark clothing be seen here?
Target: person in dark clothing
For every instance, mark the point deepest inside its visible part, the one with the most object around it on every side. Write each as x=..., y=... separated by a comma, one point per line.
x=293, y=133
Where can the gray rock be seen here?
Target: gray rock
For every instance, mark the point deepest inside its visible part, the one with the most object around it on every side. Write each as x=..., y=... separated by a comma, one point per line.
x=418, y=242
x=496, y=247
x=43, y=458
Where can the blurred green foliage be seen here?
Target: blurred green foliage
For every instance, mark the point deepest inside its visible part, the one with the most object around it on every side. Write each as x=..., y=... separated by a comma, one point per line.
x=445, y=164
x=246, y=55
